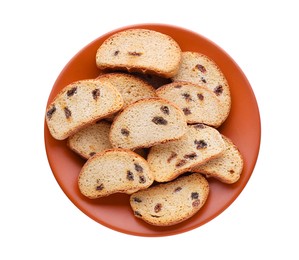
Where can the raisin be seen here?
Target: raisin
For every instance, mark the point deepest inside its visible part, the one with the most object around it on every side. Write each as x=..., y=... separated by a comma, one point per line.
x=116, y=53
x=218, y=90
x=158, y=207
x=142, y=179
x=158, y=120
x=95, y=93
x=67, y=112
x=180, y=163
x=231, y=171
x=125, y=132
x=100, y=187
x=200, y=96
x=92, y=154
x=178, y=189
x=155, y=216
x=137, y=200
x=194, y=195
x=187, y=97
x=190, y=156
x=196, y=203
x=187, y=111
x=201, y=68
x=71, y=91
x=130, y=176
x=138, y=168
x=134, y=53
x=199, y=126
x=50, y=112
x=165, y=110
x=203, y=80
x=201, y=144
x=137, y=213
x=172, y=156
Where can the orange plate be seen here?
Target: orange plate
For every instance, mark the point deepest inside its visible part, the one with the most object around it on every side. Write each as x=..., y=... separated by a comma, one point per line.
x=242, y=126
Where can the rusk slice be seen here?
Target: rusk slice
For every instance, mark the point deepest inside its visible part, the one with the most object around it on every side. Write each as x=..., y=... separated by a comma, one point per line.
x=227, y=167
x=199, y=104
x=80, y=103
x=91, y=139
x=113, y=171
x=131, y=88
x=200, y=69
x=94, y=139
x=147, y=122
x=171, y=203
x=140, y=50
x=200, y=144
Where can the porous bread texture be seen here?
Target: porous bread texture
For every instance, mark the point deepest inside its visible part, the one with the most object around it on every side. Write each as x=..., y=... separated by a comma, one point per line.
x=171, y=203
x=94, y=139
x=131, y=88
x=146, y=123
x=80, y=103
x=200, y=69
x=199, y=103
x=140, y=50
x=112, y=171
x=91, y=139
x=200, y=144
x=227, y=167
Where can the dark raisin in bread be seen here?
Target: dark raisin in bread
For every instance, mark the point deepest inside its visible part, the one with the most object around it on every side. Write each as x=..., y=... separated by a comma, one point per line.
x=200, y=144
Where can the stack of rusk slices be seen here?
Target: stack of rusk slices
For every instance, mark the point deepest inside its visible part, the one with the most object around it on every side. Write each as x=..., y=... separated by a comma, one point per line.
x=147, y=126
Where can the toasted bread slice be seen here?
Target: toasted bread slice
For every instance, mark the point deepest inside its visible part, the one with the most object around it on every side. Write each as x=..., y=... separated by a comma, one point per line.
x=131, y=88
x=140, y=50
x=91, y=139
x=171, y=203
x=202, y=70
x=200, y=144
x=198, y=103
x=79, y=104
x=147, y=122
x=114, y=171
x=227, y=167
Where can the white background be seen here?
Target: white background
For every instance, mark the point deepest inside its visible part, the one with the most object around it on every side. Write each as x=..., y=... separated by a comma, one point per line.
x=38, y=38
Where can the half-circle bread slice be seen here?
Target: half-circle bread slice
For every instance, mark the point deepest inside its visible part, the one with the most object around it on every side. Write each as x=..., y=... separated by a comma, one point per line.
x=91, y=139
x=198, y=103
x=227, y=167
x=200, y=144
x=131, y=88
x=140, y=50
x=171, y=203
x=94, y=139
x=81, y=103
x=147, y=122
x=199, y=69
x=114, y=171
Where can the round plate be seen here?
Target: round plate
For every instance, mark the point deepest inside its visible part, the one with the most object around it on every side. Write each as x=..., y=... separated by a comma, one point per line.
x=242, y=126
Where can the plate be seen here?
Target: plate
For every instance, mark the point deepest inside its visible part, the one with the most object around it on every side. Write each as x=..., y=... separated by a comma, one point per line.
x=242, y=126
